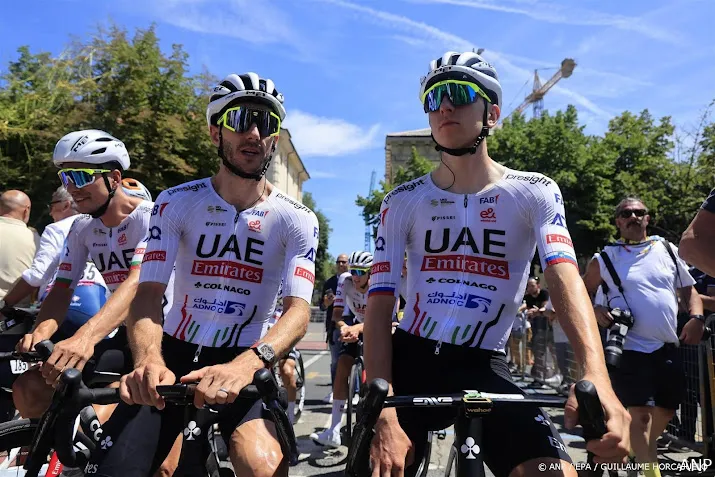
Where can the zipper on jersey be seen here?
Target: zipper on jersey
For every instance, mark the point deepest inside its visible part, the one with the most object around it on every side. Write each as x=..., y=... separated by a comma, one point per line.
x=448, y=324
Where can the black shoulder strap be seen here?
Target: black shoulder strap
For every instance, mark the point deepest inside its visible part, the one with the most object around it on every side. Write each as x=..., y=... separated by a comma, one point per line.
x=611, y=271
x=675, y=261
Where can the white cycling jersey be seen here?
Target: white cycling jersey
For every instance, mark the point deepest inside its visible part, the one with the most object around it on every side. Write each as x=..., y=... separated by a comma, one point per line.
x=350, y=298
x=114, y=250
x=468, y=254
x=229, y=263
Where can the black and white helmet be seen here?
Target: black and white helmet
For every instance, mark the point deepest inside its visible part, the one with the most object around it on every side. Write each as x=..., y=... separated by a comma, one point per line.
x=467, y=66
x=90, y=146
x=248, y=85
x=360, y=259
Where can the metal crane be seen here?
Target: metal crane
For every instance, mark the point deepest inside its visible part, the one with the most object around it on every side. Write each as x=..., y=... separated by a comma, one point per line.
x=368, y=228
x=536, y=97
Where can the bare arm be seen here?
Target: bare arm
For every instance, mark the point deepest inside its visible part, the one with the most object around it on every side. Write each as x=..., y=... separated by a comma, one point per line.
x=114, y=311
x=592, y=278
x=570, y=298
x=144, y=324
x=19, y=292
x=708, y=302
x=689, y=296
x=696, y=243
x=377, y=338
x=338, y=316
x=291, y=328
x=53, y=311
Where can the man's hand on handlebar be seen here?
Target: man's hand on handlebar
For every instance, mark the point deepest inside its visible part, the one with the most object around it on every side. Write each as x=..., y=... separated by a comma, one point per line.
x=349, y=334
x=27, y=343
x=139, y=386
x=391, y=450
x=614, y=446
x=74, y=352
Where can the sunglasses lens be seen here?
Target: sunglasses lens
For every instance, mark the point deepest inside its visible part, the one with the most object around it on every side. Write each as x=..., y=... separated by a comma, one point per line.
x=78, y=178
x=459, y=94
x=358, y=272
x=242, y=119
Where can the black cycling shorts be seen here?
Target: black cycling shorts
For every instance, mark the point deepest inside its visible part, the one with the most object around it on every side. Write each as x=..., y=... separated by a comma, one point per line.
x=647, y=379
x=511, y=436
x=142, y=436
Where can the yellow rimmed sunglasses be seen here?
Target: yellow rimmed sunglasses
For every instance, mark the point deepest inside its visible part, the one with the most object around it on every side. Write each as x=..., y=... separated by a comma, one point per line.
x=460, y=93
x=241, y=118
x=79, y=177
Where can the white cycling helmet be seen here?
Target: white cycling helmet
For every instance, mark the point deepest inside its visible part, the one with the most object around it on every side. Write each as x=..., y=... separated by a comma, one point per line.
x=135, y=188
x=248, y=85
x=360, y=259
x=467, y=66
x=90, y=146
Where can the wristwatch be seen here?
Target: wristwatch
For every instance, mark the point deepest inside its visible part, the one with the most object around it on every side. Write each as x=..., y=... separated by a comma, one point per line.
x=265, y=352
x=700, y=318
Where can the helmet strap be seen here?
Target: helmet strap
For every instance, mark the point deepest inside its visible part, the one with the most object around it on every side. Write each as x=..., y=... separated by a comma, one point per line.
x=462, y=151
x=103, y=209
x=237, y=171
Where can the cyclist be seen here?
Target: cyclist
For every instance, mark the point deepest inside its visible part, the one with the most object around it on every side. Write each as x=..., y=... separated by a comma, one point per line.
x=112, y=234
x=233, y=237
x=351, y=296
x=470, y=229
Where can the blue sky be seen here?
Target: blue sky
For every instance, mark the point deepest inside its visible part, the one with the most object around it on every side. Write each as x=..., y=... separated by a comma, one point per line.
x=350, y=69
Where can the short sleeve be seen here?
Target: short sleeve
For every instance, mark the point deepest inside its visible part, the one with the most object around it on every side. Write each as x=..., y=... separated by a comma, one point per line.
x=74, y=257
x=156, y=253
x=47, y=257
x=552, y=233
x=301, y=248
x=340, y=301
x=390, y=245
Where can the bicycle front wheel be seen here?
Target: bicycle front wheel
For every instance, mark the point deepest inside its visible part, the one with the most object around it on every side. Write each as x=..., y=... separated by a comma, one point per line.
x=353, y=390
x=15, y=440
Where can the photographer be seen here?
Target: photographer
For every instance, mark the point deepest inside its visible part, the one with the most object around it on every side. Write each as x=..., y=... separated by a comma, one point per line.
x=640, y=276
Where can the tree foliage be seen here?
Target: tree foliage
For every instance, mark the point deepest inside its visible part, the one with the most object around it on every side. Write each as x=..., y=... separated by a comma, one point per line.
x=672, y=171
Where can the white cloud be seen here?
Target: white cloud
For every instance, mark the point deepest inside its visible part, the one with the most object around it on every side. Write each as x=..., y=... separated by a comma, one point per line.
x=317, y=136
x=322, y=175
x=554, y=13
x=450, y=41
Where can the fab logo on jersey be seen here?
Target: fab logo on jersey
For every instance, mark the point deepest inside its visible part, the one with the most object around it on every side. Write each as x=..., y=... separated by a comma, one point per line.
x=251, y=251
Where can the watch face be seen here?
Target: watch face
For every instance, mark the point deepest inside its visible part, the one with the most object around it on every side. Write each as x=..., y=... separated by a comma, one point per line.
x=267, y=352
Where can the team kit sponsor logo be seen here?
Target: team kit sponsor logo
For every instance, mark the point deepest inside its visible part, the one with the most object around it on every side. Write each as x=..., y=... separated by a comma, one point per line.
x=254, y=226
x=457, y=281
x=557, y=238
x=216, y=208
x=66, y=267
x=109, y=262
x=222, y=286
x=215, y=224
x=382, y=267
x=226, y=307
x=259, y=213
x=295, y=204
x=250, y=250
x=559, y=220
x=305, y=273
x=154, y=233
x=442, y=202
x=227, y=269
x=409, y=187
x=489, y=242
x=530, y=179
x=488, y=215
x=159, y=209
x=466, y=300
x=489, y=200
x=155, y=256
x=114, y=278
x=443, y=217
x=380, y=244
x=460, y=263
x=186, y=188
x=122, y=239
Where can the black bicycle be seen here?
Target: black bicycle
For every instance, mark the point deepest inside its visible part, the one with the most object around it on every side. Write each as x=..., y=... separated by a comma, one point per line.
x=468, y=425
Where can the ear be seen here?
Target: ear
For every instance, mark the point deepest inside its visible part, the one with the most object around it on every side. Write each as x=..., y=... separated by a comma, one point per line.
x=494, y=115
x=116, y=176
x=213, y=130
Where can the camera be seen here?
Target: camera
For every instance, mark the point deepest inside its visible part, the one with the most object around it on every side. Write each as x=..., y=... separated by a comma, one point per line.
x=622, y=322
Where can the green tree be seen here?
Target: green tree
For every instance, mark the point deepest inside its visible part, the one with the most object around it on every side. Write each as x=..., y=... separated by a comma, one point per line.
x=416, y=166
x=324, y=267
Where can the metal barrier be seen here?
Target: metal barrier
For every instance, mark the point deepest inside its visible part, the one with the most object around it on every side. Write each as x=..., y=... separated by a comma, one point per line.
x=317, y=315
x=554, y=366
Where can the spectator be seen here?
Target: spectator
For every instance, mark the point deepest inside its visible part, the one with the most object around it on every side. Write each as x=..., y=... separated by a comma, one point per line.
x=332, y=336
x=696, y=242
x=534, y=303
x=563, y=351
x=642, y=274
x=63, y=211
x=17, y=242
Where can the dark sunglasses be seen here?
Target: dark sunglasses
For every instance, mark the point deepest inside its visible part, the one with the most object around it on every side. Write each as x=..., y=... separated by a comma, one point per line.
x=626, y=213
x=359, y=272
x=341, y=262
x=49, y=206
x=240, y=119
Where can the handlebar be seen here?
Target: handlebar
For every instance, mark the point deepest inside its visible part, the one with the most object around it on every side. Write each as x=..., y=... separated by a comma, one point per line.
x=14, y=317
x=43, y=351
x=72, y=395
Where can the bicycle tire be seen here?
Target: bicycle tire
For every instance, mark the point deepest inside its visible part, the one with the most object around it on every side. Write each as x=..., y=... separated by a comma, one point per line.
x=423, y=469
x=300, y=381
x=17, y=433
x=450, y=461
x=353, y=390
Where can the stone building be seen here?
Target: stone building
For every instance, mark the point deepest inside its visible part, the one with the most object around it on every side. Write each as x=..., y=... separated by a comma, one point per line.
x=287, y=171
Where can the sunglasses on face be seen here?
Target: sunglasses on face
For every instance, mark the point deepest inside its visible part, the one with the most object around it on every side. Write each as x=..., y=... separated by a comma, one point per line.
x=49, y=206
x=460, y=93
x=359, y=272
x=79, y=177
x=626, y=213
x=342, y=262
x=240, y=119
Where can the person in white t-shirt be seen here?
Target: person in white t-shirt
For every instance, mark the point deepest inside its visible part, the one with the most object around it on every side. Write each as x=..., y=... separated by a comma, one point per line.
x=649, y=380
